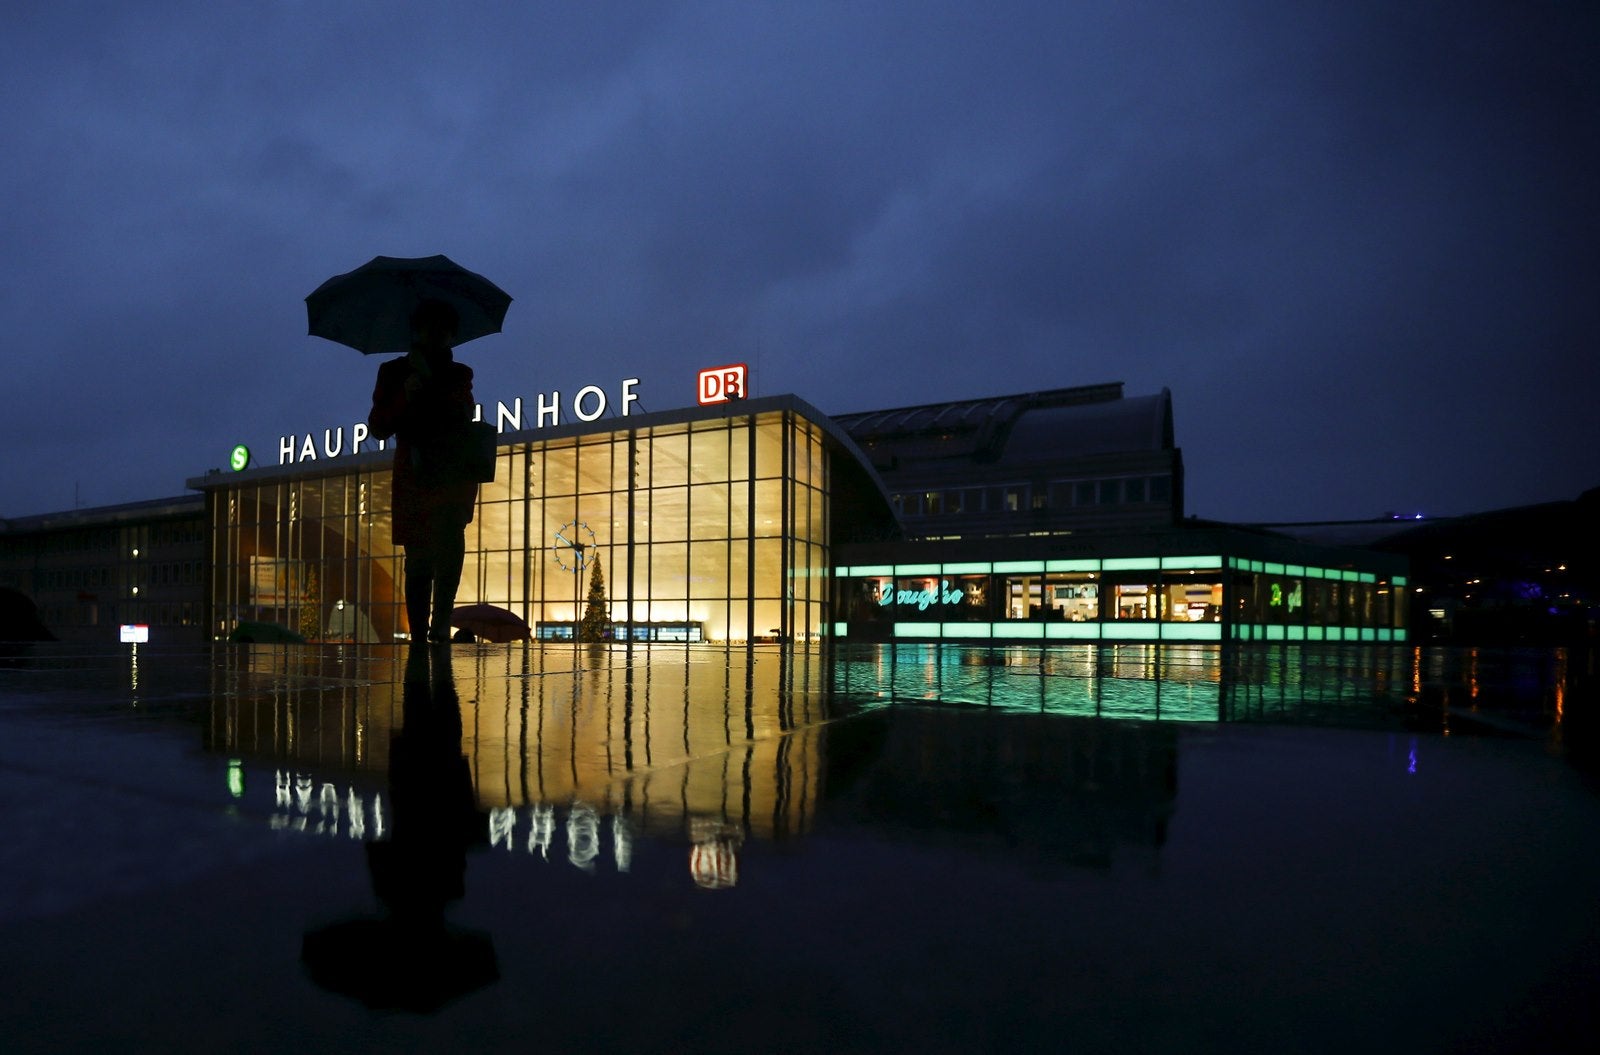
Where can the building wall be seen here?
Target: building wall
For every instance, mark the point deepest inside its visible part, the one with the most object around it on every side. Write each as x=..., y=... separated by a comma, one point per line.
x=91, y=571
x=1042, y=463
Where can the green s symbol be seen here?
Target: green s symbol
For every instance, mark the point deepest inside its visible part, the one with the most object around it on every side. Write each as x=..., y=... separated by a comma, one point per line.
x=240, y=458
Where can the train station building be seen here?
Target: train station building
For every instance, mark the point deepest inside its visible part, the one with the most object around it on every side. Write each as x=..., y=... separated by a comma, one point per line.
x=1052, y=516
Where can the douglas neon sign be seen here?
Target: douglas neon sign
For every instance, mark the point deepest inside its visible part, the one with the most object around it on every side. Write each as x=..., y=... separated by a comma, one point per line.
x=924, y=598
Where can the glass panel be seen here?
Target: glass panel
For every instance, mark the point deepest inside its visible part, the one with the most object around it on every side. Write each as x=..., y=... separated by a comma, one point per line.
x=769, y=620
x=739, y=509
x=669, y=572
x=739, y=569
x=560, y=472
x=739, y=453
x=804, y=469
x=769, y=568
x=769, y=446
x=769, y=507
x=710, y=464
x=643, y=452
x=669, y=514
x=669, y=460
x=708, y=563
x=708, y=504
x=594, y=468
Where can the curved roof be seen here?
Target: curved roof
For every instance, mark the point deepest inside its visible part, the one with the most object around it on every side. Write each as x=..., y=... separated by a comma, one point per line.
x=1049, y=425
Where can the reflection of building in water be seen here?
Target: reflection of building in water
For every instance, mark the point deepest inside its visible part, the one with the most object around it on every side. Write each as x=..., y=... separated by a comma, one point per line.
x=324, y=710
x=680, y=741
x=674, y=736
x=1344, y=684
x=1166, y=682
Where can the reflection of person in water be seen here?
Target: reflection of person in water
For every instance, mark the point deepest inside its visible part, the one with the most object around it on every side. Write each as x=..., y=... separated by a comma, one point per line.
x=412, y=957
x=419, y=870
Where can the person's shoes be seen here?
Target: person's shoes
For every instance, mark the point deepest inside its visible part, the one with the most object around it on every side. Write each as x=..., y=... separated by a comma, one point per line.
x=439, y=635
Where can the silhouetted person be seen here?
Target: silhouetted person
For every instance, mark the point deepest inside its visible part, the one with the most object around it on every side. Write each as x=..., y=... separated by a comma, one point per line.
x=419, y=399
x=411, y=957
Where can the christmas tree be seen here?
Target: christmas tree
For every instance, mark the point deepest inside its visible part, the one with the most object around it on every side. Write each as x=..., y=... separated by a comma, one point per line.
x=596, y=624
x=311, y=607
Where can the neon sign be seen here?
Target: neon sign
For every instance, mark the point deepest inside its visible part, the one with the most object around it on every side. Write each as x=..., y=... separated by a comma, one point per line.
x=924, y=599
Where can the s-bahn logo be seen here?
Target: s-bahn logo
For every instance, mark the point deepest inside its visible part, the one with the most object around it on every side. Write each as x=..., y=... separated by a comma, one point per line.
x=723, y=384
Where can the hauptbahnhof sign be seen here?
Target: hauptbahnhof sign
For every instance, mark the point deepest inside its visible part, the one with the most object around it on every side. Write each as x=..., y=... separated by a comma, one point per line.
x=546, y=409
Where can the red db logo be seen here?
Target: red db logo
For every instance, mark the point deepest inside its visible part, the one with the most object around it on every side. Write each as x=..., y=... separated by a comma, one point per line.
x=720, y=384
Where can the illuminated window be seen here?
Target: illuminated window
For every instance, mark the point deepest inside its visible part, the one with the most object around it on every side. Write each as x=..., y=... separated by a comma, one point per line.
x=1134, y=601
x=1193, y=602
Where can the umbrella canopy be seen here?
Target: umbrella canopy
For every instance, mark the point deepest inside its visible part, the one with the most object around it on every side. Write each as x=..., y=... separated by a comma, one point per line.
x=388, y=964
x=370, y=308
x=490, y=623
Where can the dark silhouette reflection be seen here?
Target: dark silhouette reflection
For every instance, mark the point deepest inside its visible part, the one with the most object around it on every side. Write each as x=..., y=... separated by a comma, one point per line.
x=411, y=957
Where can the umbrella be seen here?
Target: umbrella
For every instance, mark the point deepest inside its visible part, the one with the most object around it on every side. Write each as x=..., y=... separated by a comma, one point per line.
x=250, y=631
x=391, y=964
x=490, y=623
x=370, y=308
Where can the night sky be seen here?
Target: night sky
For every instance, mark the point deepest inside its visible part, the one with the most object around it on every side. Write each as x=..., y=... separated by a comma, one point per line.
x=1360, y=242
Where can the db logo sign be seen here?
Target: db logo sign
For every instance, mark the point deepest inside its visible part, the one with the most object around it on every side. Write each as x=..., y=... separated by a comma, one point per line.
x=723, y=383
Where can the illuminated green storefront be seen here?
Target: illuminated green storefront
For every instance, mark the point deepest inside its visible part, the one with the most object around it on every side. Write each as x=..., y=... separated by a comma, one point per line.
x=1179, y=586
x=706, y=524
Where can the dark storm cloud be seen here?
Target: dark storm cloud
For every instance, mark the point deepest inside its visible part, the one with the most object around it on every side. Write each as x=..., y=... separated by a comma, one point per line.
x=1358, y=241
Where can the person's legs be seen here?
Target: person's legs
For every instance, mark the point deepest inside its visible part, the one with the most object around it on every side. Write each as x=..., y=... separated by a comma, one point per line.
x=419, y=588
x=449, y=554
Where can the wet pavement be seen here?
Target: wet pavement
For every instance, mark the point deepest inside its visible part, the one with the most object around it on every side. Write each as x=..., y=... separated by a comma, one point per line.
x=872, y=849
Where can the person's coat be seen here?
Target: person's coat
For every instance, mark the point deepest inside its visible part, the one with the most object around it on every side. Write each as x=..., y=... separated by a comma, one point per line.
x=422, y=506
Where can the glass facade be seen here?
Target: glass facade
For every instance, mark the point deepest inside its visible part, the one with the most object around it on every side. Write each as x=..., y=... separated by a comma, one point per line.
x=695, y=530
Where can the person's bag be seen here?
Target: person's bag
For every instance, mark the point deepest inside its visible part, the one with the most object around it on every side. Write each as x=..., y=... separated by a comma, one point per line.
x=461, y=453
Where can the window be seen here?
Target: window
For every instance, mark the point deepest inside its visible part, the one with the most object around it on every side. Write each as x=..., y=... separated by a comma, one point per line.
x=1135, y=601
x=1075, y=599
x=1193, y=602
